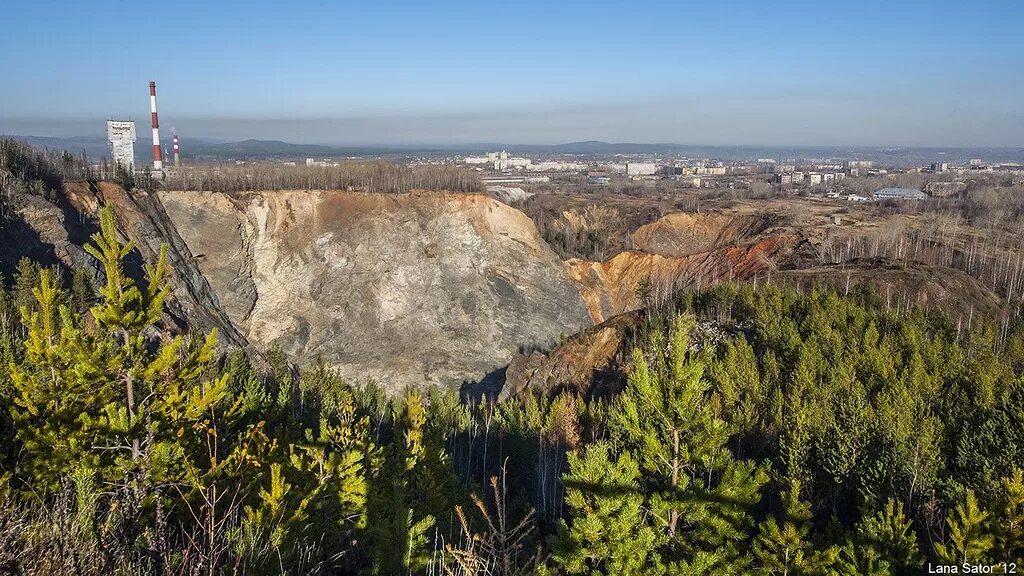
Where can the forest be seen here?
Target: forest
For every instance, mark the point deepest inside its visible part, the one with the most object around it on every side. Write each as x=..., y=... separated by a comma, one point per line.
x=41, y=171
x=761, y=430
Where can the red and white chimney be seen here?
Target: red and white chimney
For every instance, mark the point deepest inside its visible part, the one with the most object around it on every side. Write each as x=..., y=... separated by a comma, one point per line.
x=177, y=158
x=158, y=163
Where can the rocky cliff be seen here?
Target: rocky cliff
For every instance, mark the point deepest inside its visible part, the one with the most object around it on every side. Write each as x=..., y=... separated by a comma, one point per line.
x=405, y=289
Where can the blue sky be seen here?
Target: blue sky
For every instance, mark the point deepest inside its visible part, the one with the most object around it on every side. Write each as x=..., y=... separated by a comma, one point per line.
x=899, y=72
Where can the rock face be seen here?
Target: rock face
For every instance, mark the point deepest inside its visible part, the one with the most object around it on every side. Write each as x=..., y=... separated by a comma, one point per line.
x=405, y=289
x=588, y=359
x=36, y=229
x=142, y=219
x=684, y=234
x=681, y=250
x=612, y=287
x=431, y=287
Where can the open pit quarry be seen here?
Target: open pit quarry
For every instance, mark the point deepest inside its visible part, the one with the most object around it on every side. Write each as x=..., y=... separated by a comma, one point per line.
x=423, y=288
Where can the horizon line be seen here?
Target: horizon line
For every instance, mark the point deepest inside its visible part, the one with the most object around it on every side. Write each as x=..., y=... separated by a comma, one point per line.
x=484, y=144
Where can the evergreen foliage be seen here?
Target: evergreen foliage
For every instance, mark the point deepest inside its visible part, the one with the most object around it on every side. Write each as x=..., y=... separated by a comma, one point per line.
x=760, y=431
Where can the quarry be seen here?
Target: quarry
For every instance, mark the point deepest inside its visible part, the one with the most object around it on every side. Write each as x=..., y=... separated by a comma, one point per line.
x=460, y=290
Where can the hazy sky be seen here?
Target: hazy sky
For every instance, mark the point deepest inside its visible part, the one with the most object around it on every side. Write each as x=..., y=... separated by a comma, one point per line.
x=898, y=72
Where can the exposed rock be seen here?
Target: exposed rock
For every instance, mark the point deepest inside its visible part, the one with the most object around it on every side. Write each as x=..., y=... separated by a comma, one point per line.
x=595, y=361
x=508, y=194
x=142, y=219
x=587, y=359
x=611, y=287
x=406, y=289
x=436, y=288
x=36, y=229
x=684, y=233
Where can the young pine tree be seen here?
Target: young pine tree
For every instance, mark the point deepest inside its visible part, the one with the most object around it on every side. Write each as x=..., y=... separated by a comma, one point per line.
x=608, y=531
x=699, y=493
x=1009, y=522
x=397, y=525
x=62, y=388
x=970, y=539
x=783, y=547
x=885, y=538
x=108, y=400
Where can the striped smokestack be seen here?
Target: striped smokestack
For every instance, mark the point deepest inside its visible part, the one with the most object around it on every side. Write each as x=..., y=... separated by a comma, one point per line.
x=177, y=159
x=158, y=163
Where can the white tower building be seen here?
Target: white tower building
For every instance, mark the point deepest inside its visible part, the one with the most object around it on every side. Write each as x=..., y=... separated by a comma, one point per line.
x=121, y=137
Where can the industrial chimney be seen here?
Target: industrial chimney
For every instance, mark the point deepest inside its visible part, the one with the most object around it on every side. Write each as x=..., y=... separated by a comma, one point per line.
x=177, y=158
x=158, y=163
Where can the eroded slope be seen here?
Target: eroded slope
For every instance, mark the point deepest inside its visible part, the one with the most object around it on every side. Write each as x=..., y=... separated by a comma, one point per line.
x=420, y=288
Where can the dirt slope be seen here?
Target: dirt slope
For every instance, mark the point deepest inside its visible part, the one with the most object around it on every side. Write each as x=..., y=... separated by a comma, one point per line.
x=611, y=287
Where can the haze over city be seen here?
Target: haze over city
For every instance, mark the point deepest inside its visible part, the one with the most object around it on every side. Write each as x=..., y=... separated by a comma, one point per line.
x=736, y=73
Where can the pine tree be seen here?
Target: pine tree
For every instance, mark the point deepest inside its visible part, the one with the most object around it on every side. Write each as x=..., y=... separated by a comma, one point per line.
x=699, y=494
x=782, y=546
x=970, y=539
x=25, y=279
x=123, y=315
x=1008, y=523
x=398, y=525
x=8, y=349
x=889, y=536
x=83, y=292
x=334, y=461
x=608, y=532
x=105, y=399
x=856, y=561
x=62, y=391
x=268, y=528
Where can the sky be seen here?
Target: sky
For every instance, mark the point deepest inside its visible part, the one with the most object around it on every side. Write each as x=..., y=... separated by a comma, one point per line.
x=866, y=73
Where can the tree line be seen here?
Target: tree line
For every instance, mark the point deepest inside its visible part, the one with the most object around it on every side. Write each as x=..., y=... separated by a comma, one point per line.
x=25, y=169
x=377, y=176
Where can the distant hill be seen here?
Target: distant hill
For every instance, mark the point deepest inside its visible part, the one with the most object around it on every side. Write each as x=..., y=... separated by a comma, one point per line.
x=598, y=147
x=260, y=148
x=93, y=146
x=212, y=150
x=216, y=151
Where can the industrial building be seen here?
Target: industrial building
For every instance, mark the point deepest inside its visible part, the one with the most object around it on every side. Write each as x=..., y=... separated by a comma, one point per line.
x=641, y=168
x=900, y=194
x=710, y=171
x=555, y=166
x=121, y=137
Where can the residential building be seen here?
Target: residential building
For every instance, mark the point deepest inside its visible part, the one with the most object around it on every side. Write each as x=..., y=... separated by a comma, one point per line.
x=900, y=194
x=641, y=168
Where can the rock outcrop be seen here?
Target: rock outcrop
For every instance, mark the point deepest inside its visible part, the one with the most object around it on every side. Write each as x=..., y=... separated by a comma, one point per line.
x=588, y=359
x=404, y=289
x=37, y=229
x=142, y=219
x=685, y=234
x=431, y=287
x=613, y=286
